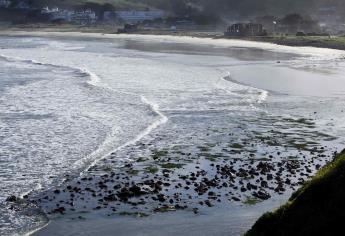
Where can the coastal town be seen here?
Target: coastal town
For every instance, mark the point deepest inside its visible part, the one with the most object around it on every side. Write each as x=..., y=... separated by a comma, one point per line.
x=324, y=22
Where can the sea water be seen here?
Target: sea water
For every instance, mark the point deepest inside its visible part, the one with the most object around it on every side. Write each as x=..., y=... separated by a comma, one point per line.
x=66, y=104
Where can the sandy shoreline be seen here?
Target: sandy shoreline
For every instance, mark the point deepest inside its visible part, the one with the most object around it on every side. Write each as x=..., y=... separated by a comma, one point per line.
x=336, y=43
x=183, y=38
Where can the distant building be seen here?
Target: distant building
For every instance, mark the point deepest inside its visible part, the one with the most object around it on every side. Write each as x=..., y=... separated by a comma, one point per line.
x=5, y=3
x=246, y=29
x=84, y=17
x=78, y=17
x=56, y=14
x=134, y=16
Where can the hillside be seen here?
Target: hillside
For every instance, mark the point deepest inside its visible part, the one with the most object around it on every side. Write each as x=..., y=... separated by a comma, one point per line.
x=120, y=4
x=318, y=208
x=228, y=8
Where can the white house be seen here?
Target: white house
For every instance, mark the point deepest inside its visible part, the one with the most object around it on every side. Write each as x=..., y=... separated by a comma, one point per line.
x=79, y=17
x=56, y=14
x=134, y=16
x=84, y=17
x=5, y=3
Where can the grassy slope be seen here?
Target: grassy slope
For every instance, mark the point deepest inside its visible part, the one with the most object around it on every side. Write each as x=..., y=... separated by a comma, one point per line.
x=318, y=208
x=313, y=41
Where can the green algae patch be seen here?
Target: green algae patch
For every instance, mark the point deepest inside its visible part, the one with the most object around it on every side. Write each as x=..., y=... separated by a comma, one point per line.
x=204, y=148
x=158, y=154
x=171, y=166
x=134, y=214
x=251, y=201
x=211, y=145
x=211, y=158
x=165, y=209
x=151, y=169
x=317, y=208
x=236, y=145
x=133, y=172
x=107, y=168
x=141, y=159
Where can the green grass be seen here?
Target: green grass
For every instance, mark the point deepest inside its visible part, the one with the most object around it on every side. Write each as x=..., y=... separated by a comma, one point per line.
x=335, y=42
x=317, y=208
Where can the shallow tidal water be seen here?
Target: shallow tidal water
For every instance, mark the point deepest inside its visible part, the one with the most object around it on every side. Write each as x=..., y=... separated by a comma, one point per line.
x=75, y=112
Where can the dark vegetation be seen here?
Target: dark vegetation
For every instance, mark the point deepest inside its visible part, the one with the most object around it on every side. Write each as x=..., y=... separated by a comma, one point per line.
x=334, y=42
x=201, y=11
x=245, y=7
x=318, y=208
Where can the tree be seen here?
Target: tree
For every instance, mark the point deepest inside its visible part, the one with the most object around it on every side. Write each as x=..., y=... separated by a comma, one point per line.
x=292, y=19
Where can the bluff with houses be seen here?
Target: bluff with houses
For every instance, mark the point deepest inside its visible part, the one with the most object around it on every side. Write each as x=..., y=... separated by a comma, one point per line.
x=180, y=15
x=83, y=15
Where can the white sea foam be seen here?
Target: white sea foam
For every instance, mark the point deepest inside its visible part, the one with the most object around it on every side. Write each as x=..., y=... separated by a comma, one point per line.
x=231, y=85
x=107, y=147
x=105, y=151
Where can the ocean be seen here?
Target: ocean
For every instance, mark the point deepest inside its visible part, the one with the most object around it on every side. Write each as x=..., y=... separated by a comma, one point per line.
x=70, y=106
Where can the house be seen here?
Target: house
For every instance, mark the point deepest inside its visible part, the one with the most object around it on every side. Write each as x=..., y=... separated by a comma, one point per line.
x=134, y=16
x=5, y=3
x=245, y=29
x=56, y=14
x=78, y=17
x=84, y=17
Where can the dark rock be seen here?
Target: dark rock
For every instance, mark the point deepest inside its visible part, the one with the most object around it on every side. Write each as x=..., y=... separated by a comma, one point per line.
x=60, y=210
x=236, y=199
x=262, y=194
x=11, y=199
x=161, y=198
x=110, y=198
x=208, y=203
